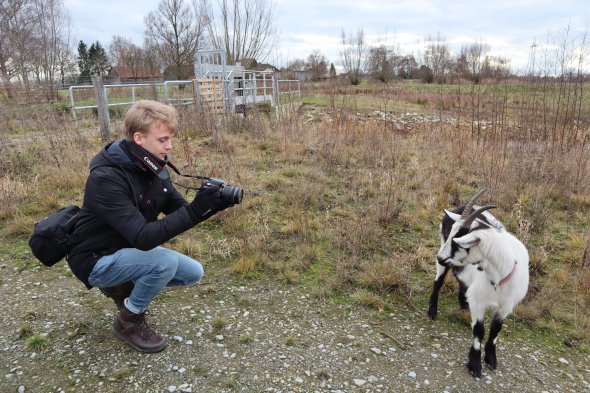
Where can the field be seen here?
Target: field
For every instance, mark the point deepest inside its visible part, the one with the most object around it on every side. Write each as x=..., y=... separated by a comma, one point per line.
x=345, y=195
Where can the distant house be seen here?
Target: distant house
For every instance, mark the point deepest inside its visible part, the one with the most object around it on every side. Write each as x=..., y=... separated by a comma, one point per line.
x=132, y=75
x=185, y=72
x=303, y=75
x=264, y=68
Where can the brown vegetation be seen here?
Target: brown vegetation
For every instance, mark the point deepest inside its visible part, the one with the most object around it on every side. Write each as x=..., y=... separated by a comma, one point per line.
x=352, y=205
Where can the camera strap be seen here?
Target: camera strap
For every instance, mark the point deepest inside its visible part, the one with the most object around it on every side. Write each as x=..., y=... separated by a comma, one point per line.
x=190, y=176
x=183, y=175
x=148, y=160
x=157, y=166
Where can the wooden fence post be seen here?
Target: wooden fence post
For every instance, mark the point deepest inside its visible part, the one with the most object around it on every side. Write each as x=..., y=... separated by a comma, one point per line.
x=103, y=107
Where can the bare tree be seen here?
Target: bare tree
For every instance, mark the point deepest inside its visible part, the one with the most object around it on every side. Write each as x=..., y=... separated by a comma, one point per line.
x=405, y=66
x=317, y=64
x=296, y=65
x=51, y=34
x=351, y=54
x=495, y=68
x=436, y=56
x=245, y=29
x=34, y=41
x=174, y=32
x=152, y=61
x=472, y=60
x=380, y=64
x=118, y=49
x=66, y=59
x=125, y=54
x=16, y=31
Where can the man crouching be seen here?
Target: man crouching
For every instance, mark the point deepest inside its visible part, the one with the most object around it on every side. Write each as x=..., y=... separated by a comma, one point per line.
x=126, y=190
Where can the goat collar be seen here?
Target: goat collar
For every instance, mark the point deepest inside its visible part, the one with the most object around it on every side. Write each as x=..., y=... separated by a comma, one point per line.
x=509, y=276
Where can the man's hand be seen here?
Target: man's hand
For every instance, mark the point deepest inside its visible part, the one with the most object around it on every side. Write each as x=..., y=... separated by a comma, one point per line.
x=208, y=201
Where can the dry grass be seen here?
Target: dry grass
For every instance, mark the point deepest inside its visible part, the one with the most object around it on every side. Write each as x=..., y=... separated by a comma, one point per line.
x=353, y=204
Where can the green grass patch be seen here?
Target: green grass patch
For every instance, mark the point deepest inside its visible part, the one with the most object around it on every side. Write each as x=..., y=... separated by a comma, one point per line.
x=36, y=343
x=364, y=103
x=25, y=331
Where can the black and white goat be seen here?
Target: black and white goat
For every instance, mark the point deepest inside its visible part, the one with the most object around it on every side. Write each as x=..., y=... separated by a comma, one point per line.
x=492, y=267
x=463, y=274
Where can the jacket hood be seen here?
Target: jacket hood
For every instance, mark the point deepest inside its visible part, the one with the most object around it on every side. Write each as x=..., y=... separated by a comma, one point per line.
x=114, y=154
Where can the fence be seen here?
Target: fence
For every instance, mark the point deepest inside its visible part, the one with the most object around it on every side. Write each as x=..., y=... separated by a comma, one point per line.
x=83, y=96
x=237, y=91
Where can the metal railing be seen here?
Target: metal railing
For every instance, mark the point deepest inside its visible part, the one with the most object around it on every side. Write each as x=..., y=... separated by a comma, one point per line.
x=186, y=98
x=181, y=100
x=287, y=95
x=240, y=88
x=250, y=88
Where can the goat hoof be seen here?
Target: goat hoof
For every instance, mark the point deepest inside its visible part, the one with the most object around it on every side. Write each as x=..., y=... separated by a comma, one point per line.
x=432, y=314
x=474, y=369
x=490, y=356
x=490, y=362
x=476, y=373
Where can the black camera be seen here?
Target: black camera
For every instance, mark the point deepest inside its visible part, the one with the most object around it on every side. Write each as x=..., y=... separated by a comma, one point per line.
x=229, y=194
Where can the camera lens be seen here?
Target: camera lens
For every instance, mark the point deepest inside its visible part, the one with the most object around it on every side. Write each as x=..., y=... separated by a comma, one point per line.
x=232, y=195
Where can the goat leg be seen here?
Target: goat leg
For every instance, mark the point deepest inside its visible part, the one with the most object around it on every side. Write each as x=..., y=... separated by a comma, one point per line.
x=441, y=272
x=490, y=355
x=474, y=363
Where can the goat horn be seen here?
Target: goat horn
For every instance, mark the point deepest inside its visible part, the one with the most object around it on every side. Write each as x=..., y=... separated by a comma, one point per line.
x=467, y=223
x=469, y=206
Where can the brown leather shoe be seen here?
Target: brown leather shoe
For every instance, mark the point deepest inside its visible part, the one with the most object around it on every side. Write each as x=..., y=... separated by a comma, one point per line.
x=134, y=330
x=118, y=293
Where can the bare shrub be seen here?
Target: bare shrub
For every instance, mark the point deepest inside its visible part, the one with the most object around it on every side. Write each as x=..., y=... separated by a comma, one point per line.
x=391, y=274
x=368, y=299
x=250, y=259
x=12, y=189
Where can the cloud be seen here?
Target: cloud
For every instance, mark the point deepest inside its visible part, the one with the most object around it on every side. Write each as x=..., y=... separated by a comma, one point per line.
x=101, y=20
x=509, y=26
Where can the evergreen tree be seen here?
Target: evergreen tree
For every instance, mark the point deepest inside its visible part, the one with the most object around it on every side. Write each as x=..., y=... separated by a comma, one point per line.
x=99, y=62
x=332, y=70
x=83, y=60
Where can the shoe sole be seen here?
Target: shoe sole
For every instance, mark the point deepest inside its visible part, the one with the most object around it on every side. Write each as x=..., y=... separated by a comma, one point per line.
x=136, y=347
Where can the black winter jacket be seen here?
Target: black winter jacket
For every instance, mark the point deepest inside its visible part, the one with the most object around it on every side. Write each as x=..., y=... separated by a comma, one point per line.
x=111, y=219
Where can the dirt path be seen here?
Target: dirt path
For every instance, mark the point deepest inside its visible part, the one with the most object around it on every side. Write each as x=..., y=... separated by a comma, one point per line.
x=228, y=335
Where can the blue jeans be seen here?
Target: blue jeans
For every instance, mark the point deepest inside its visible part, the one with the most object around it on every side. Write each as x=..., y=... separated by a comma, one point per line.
x=151, y=271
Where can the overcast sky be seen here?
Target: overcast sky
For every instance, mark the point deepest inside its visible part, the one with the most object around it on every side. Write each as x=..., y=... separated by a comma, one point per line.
x=509, y=26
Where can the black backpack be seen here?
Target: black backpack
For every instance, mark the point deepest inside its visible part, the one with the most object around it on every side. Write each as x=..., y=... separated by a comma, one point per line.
x=51, y=239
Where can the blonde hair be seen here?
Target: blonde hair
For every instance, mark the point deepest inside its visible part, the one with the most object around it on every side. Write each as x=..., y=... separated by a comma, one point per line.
x=144, y=113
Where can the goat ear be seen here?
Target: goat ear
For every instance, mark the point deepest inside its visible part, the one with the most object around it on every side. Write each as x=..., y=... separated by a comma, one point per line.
x=467, y=241
x=453, y=216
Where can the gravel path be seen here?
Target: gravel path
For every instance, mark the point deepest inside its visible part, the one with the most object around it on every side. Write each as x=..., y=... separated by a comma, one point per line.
x=230, y=335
